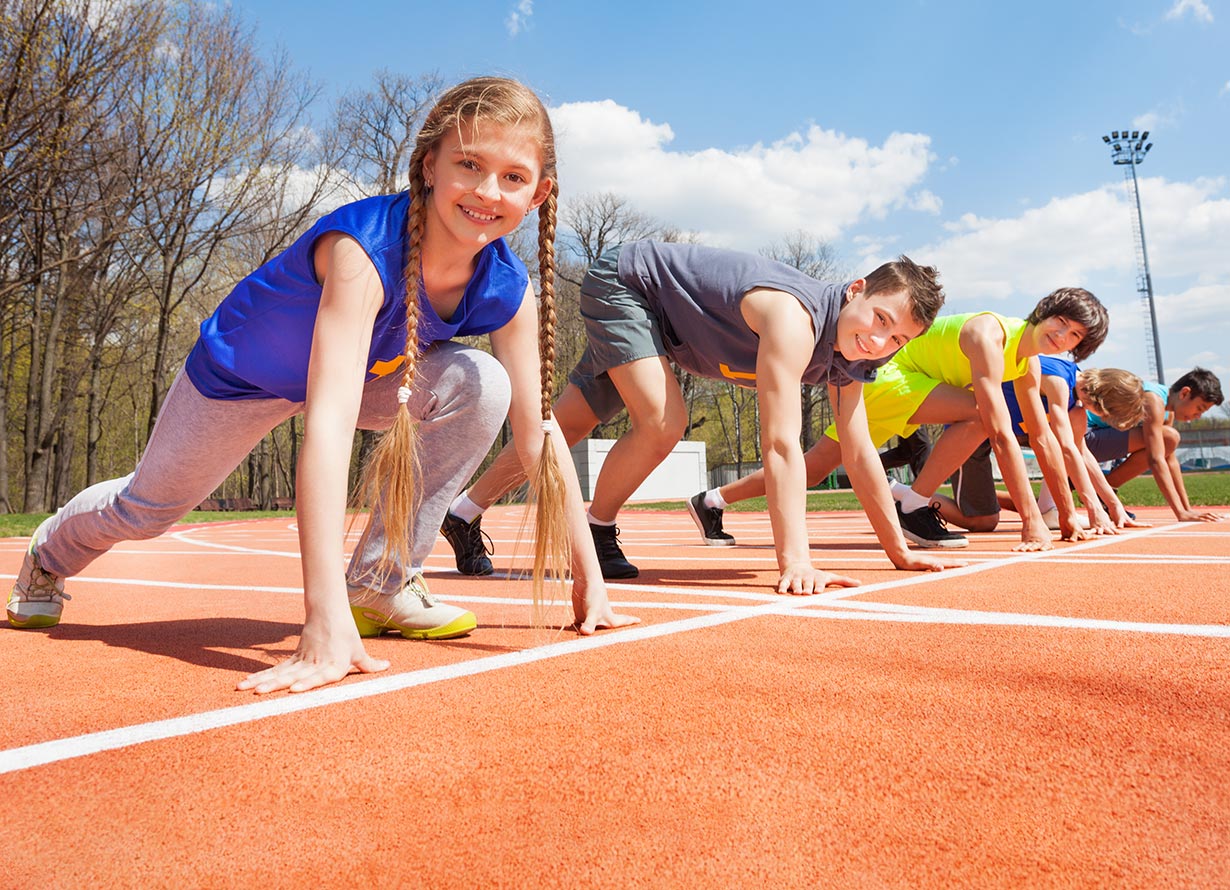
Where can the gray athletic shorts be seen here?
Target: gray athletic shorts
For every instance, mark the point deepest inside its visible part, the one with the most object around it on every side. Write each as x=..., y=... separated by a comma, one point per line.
x=973, y=485
x=621, y=328
x=1106, y=443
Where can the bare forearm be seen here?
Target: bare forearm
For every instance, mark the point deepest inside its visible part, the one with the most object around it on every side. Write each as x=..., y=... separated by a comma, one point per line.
x=1176, y=478
x=1016, y=478
x=872, y=490
x=786, y=493
x=320, y=517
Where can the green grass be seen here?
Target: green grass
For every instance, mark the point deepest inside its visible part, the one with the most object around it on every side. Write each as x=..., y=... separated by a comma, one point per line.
x=1203, y=489
x=22, y=525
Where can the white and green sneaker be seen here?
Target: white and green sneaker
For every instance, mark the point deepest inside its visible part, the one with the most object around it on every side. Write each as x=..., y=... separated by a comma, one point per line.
x=412, y=611
x=37, y=599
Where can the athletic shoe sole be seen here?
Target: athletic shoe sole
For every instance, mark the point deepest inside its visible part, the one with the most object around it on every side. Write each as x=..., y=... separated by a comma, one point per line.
x=373, y=624
x=32, y=622
x=927, y=543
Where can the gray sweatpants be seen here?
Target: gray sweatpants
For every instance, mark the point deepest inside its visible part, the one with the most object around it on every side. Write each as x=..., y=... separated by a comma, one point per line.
x=460, y=399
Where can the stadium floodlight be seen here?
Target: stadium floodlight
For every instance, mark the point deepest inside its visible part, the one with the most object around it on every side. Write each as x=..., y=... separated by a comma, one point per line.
x=1130, y=157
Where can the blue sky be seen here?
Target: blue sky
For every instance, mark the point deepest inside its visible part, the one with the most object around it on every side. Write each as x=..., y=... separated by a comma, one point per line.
x=966, y=134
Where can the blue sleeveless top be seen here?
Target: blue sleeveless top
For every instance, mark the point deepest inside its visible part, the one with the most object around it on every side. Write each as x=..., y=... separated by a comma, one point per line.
x=1051, y=367
x=257, y=343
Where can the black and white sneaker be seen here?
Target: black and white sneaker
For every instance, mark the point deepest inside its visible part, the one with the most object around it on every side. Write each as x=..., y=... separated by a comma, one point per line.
x=709, y=521
x=466, y=539
x=926, y=528
x=615, y=565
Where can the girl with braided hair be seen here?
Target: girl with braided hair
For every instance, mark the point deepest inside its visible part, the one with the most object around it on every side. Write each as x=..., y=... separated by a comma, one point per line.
x=352, y=327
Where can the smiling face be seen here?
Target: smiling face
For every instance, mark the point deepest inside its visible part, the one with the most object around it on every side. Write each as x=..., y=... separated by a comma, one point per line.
x=484, y=178
x=871, y=328
x=1057, y=335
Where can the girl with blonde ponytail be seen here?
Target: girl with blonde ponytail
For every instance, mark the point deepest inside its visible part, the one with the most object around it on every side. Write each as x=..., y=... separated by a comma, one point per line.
x=353, y=327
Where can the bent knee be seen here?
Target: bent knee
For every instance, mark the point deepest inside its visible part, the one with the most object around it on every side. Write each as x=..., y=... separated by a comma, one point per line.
x=986, y=523
x=142, y=521
x=660, y=435
x=487, y=384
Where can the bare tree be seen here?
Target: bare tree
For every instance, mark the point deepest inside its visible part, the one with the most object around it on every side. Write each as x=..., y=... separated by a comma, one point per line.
x=598, y=221
x=67, y=61
x=377, y=128
x=209, y=121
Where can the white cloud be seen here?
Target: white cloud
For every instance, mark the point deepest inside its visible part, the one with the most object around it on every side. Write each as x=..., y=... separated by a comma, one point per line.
x=1159, y=118
x=1198, y=8
x=1086, y=239
x=818, y=180
x=519, y=17
x=1225, y=89
x=828, y=183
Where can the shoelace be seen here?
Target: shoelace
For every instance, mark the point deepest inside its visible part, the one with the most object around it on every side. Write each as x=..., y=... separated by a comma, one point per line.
x=936, y=518
x=476, y=540
x=609, y=545
x=44, y=587
x=418, y=586
x=472, y=539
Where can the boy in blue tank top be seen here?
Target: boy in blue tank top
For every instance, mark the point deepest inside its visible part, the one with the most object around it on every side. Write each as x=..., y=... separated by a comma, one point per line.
x=1151, y=445
x=747, y=320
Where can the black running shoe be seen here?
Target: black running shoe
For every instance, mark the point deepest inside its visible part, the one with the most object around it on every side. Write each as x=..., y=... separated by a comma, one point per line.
x=466, y=539
x=709, y=521
x=614, y=564
x=926, y=528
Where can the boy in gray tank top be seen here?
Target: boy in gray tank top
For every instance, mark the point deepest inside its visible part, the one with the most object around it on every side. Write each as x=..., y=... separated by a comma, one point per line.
x=746, y=320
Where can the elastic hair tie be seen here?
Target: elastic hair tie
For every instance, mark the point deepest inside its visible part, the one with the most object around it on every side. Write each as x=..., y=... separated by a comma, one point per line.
x=548, y=426
x=403, y=395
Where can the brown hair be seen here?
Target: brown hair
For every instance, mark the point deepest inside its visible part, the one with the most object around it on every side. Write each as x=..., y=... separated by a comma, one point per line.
x=390, y=476
x=920, y=282
x=1079, y=305
x=1114, y=395
x=1202, y=383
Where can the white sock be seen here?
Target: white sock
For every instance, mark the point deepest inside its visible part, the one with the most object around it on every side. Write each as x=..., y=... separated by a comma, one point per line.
x=897, y=489
x=714, y=499
x=604, y=523
x=464, y=508
x=912, y=500
x=1046, y=500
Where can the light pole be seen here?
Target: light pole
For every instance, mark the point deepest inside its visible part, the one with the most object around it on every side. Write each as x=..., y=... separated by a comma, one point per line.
x=1128, y=148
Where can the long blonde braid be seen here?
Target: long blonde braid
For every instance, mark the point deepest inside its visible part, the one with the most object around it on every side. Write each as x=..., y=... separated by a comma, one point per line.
x=390, y=480
x=552, y=551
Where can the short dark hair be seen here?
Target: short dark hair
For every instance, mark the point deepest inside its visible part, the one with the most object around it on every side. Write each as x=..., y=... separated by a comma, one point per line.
x=1202, y=383
x=920, y=282
x=1078, y=305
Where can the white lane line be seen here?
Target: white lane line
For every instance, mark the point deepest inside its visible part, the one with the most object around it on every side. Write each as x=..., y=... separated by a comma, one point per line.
x=78, y=746
x=1014, y=619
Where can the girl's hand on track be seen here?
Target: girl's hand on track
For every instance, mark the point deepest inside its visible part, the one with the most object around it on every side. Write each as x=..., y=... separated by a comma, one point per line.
x=321, y=658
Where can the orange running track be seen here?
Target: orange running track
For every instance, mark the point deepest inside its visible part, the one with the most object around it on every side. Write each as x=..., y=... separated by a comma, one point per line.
x=1033, y=720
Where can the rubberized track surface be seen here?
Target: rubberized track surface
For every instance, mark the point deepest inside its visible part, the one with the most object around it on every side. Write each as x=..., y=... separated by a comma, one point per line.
x=1041, y=720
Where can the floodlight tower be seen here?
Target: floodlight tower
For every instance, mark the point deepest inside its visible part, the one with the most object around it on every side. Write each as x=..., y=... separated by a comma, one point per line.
x=1128, y=148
